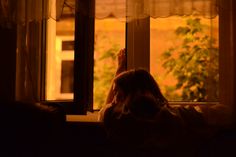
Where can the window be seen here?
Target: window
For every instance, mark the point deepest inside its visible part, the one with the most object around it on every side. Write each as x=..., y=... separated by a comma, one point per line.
x=184, y=57
x=160, y=42
x=146, y=44
x=60, y=69
x=94, y=68
x=109, y=39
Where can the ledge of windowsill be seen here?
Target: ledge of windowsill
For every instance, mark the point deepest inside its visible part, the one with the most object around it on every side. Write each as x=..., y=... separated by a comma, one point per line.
x=90, y=117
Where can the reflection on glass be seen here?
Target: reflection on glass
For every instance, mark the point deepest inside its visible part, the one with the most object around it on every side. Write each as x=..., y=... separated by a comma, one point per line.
x=60, y=56
x=184, y=57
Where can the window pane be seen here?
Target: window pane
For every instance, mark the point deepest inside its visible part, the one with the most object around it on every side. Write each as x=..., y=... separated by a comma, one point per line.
x=184, y=57
x=60, y=56
x=109, y=39
x=67, y=73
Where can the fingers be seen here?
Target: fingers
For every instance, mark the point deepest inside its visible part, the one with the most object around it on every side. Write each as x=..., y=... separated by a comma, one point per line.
x=122, y=54
x=121, y=61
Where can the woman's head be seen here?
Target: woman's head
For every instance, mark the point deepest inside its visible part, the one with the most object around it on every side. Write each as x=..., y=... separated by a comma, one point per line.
x=137, y=83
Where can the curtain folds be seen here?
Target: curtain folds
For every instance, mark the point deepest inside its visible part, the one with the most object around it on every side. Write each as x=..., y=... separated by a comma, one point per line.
x=23, y=11
x=135, y=9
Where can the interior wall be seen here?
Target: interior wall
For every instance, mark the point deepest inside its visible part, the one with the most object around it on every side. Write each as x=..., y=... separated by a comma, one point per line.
x=7, y=63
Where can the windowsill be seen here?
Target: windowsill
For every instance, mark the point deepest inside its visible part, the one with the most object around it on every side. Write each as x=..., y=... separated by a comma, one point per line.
x=93, y=116
x=90, y=117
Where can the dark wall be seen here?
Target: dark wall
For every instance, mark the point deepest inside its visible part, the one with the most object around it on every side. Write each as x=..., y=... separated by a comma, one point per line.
x=234, y=50
x=7, y=63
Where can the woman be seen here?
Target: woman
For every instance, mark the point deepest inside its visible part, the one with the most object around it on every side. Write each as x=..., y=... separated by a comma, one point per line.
x=136, y=113
x=138, y=117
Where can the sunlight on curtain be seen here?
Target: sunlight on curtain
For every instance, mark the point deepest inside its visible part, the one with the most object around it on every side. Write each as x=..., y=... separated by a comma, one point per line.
x=127, y=10
x=138, y=9
x=22, y=11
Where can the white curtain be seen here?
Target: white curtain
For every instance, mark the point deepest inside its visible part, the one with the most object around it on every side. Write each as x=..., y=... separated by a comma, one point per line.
x=22, y=11
x=133, y=9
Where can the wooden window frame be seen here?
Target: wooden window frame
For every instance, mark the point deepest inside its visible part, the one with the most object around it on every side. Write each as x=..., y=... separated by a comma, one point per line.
x=83, y=62
x=84, y=41
x=138, y=41
x=83, y=56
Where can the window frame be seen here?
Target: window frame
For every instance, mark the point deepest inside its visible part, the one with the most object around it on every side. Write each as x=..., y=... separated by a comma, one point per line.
x=138, y=44
x=138, y=41
x=83, y=100
x=227, y=38
x=227, y=79
x=83, y=77
x=83, y=56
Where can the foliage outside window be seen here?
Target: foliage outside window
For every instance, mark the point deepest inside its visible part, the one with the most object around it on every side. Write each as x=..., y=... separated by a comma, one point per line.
x=193, y=63
x=104, y=70
x=109, y=39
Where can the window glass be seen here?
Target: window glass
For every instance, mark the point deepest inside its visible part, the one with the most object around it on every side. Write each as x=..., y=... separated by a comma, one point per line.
x=184, y=57
x=60, y=56
x=109, y=39
x=67, y=73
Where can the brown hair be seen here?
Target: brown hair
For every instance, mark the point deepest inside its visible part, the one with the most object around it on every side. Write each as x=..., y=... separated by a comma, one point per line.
x=135, y=91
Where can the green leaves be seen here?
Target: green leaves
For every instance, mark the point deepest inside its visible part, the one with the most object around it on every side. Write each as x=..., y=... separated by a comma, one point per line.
x=194, y=63
x=182, y=30
x=105, y=64
x=110, y=53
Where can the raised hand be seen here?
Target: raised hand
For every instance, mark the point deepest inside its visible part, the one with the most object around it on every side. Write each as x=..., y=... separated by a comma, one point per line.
x=121, y=61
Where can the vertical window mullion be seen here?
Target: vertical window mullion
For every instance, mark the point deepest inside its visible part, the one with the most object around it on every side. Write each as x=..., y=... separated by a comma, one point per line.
x=83, y=57
x=43, y=56
x=138, y=43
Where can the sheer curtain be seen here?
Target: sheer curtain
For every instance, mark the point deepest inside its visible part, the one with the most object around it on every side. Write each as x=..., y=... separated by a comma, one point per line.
x=23, y=11
x=135, y=9
x=26, y=17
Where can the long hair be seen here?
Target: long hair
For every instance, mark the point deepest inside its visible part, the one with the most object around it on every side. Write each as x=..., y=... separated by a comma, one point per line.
x=137, y=92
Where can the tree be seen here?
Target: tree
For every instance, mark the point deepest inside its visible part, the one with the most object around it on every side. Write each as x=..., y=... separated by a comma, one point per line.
x=194, y=62
x=105, y=65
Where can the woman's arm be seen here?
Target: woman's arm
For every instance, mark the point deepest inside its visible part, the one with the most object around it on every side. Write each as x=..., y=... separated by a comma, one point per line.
x=121, y=68
x=122, y=62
